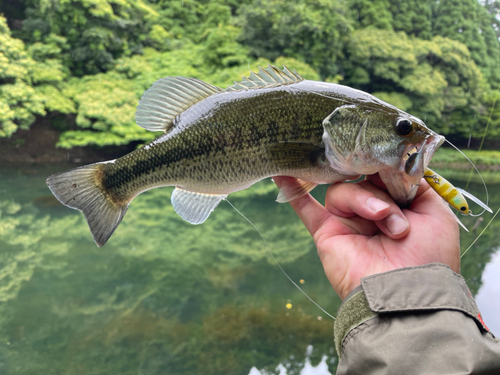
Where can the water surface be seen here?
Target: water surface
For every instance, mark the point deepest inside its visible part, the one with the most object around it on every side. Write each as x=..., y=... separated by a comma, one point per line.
x=163, y=296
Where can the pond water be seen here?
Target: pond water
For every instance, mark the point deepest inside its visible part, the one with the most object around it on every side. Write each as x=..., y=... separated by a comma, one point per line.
x=163, y=296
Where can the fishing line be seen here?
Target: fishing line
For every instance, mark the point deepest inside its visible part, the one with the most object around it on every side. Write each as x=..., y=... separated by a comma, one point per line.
x=484, y=183
x=275, y=261
x=480, y=234
x=470, y=174
x=484, y=134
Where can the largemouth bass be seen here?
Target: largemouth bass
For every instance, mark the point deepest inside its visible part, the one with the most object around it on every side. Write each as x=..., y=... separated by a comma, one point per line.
x=220, y=141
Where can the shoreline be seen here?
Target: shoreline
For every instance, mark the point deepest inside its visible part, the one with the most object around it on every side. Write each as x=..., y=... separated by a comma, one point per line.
x=464, y=166
x=38, y=146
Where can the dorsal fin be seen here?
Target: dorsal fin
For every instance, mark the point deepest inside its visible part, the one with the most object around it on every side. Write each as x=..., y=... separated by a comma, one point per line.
x=267, y=77
x=167, y=98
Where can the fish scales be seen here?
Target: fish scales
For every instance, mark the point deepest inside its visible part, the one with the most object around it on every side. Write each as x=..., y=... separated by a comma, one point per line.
x=219, y=141
x=233, y=143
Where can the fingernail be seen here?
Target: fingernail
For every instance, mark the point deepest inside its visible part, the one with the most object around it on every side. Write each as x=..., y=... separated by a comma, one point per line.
x=376, y=205
x=396, y=224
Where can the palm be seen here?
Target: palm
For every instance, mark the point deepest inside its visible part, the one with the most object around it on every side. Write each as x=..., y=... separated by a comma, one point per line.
x=354, y=242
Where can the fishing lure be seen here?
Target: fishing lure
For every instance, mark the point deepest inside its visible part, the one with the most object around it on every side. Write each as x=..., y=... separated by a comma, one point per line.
x=454, y=196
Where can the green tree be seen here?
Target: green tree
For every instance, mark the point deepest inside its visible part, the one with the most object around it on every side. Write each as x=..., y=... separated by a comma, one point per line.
x=493, y=8
x=414, y=17
x=374, y=14
x=311, y=31
x=435, y=80
x=96, y=32
x=489, y=120
x=193, y=21
x=19, y=102
x=469, y=23
x=181, y=19
x=220, y=45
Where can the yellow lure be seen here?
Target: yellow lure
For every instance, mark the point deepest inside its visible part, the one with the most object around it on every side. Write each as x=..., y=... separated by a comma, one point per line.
x=447, y=191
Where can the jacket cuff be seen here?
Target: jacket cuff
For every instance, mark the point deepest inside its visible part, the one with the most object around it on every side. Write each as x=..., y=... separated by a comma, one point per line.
x=353, y=311
x=430, y=287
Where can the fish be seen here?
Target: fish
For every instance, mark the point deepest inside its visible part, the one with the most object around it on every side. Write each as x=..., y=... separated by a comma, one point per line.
x=218, y=141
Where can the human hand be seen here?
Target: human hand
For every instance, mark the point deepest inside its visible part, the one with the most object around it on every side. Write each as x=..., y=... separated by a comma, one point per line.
x=361, y=231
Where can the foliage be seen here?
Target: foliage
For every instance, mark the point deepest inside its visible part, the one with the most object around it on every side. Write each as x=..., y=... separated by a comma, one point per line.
x=311, y=31
x=371, y=14
x=96, y=32
x=106, y=104
x=484, y=158
x=489, y=121
x=414, y=17
x=493, y=8
x=19, y=102
x=435, y=80
x=468, y=22
x=91, y=60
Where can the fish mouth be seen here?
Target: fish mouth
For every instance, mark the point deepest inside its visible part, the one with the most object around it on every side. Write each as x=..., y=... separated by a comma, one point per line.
x=403, y=184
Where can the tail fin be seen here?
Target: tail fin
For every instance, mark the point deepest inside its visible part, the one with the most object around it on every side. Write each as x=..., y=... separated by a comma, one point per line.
x=80, y=189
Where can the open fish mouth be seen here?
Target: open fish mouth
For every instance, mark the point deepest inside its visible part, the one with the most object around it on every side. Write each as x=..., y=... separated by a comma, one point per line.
x=418, y=157
x=403, y=185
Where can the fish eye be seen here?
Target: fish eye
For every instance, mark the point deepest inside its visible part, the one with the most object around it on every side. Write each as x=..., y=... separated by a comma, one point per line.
x=404, y=127
x=463, y=208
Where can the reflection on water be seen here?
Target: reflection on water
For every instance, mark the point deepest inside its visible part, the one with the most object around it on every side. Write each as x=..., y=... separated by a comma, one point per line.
x=306, y=369
x=163, y=296
x=488, y=298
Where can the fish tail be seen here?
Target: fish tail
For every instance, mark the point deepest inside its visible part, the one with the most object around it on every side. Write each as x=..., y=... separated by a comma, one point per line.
x=82, y=189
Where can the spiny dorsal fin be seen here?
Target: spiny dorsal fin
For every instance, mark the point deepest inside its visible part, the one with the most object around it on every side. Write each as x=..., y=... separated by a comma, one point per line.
x=267, y=77
x=167, y=98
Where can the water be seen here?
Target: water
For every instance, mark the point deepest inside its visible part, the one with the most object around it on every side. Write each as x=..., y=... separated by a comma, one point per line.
x=163, y=296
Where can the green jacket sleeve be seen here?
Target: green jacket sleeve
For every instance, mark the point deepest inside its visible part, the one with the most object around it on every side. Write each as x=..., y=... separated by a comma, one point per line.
x=417, y=320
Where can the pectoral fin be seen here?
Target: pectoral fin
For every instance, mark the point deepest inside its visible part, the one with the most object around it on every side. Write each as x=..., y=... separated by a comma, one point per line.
x=193, y=207
x=294, y=188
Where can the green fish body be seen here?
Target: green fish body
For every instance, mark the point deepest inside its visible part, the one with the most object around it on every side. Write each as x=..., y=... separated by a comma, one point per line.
x=220, y=141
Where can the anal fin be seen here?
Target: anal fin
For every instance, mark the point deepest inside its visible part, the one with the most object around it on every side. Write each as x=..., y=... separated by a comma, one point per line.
x=193, y=207
x=294, y=188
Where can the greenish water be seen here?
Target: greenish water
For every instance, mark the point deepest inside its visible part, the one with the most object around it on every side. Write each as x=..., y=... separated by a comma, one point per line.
x=163, y=296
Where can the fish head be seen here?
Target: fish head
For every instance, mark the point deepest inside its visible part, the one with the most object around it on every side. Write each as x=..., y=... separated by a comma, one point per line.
x=368, y=140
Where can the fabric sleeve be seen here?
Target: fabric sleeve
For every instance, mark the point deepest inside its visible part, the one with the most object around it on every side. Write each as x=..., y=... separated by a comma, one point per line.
x=417, y=320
